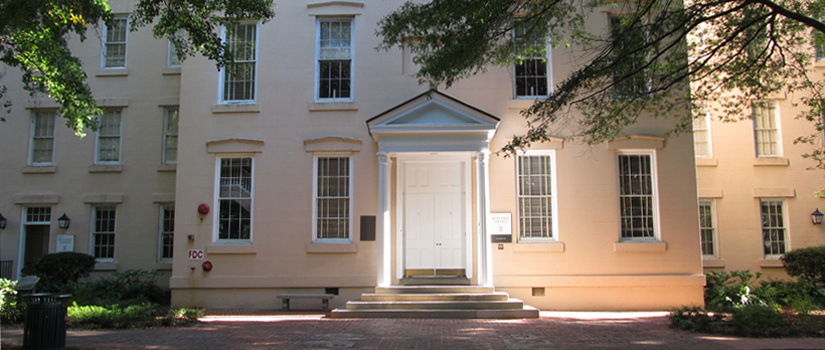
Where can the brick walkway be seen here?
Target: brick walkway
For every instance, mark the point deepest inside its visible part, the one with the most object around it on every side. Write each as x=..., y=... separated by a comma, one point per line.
x=303, y=330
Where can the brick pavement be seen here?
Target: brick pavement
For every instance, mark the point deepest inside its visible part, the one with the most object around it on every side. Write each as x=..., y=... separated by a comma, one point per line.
x=310, y=330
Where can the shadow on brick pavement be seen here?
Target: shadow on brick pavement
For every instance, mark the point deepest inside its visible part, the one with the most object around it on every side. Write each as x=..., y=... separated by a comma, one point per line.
x=238, y=329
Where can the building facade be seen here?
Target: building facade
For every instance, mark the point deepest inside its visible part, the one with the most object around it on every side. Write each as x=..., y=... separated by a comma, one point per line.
x=315, y=163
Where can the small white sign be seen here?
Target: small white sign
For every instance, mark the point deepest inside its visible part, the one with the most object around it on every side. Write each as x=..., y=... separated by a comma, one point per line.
x=65, y=243
x=195, y=254
x=500, y=223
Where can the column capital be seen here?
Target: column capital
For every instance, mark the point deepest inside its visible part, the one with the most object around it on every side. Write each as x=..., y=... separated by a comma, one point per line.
x=383, y=158
x=483, y=156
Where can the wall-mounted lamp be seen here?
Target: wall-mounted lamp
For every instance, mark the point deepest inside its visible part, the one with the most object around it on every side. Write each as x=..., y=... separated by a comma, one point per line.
x=2, y=222
x=816, y=217
x=63, y=221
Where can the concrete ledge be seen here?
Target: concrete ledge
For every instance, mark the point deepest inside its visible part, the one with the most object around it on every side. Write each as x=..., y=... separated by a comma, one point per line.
x=114, y=72
x=103, y=198
x=171, y=71
x=236, y=108
x=231, y=282
x=774, y=192
x=106, y=266
x=167, y=168
x=710, y=193
x=707, y=162
x=713, y=263
x=587, y=281
x=106, y=168
x=636, y=142
x=771, y=263
x=641, y=247
x=332, y=106
x=549, y=247
x=235, y=146
x=163, y=197
x=332, y=144
x=771, y=161
x=231, y=249
x=26, y=199
x=331, y=248
x=34, y=169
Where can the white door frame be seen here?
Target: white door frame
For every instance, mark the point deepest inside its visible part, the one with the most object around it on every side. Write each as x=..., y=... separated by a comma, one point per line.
x=465, y=159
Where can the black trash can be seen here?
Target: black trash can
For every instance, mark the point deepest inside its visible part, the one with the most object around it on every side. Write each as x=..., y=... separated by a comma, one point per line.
x=45, y=326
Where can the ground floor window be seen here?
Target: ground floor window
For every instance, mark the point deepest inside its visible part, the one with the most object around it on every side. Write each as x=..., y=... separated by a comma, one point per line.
x=536, y=188
x=332, y=198
x=234, y=199
x=773, y=226
x=707, y=226
x=103, y=232
x=166, y=231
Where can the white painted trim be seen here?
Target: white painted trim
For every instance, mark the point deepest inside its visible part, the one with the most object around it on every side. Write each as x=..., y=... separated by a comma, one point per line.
x=120, y=139
x=779, y=150
x=222, y=72
x=92, y=232
x=350, y=193
x=654, y=172
x=554, y=201
x=317, y=85
x=166, y=112
x=714, y=222
x=32, y=127
x=103, y=44
x=548, y=56
x=161, y=207
x=786, y=227
x=216, y=207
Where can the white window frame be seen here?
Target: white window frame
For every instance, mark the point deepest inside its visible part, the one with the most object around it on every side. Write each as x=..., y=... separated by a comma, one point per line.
x=317, y=88
x=33, y=136
x=166, y=136
x=777, y=130
x=714, y=236
x=702, y=124
x=547, y=58
x=315, y=173
x=161, y=231
x=172, y=60
x=125, y=42
x=222, y=75
x=554, y=208
x=785, y=229
x=94, y=232
x=654, y=170
x=217, y=201
x=119, y=138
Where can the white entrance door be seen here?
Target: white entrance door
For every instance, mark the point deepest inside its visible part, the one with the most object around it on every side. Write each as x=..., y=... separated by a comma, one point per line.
x=434, y=215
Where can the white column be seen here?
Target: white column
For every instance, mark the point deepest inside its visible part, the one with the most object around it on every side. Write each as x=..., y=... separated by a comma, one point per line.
x=485, y=264
x=383, y=238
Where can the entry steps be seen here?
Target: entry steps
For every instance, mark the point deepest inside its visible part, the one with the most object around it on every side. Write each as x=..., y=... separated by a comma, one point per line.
x=436, y=302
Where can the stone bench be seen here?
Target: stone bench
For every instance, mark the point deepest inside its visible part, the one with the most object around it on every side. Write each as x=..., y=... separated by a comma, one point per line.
x=285, y=297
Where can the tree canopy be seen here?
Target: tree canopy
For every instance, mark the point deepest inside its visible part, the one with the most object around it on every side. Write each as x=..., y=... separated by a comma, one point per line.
x=34, y=37
x=655, y=57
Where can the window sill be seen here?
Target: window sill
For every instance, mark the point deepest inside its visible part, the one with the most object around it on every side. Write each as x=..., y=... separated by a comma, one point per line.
x=164, y=266
x=640, y=247
x=231, y=249
x=534, y=247
x=106, y=168
x=771, y=161
x=167, y=168
x=113, y=72
x=775, y=262
x=333, y=106
x=35, y=169
x=713, y=263
x=236, y=108
x=171, y=71
x=707, y=162
x=520, y=103
x=106, y=266
x=331, y=248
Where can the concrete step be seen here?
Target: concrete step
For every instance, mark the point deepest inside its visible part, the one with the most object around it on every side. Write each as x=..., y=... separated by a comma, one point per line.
x=512, y=304
x=525, y=312
x=435, y=281
x=433, y=289
x=496, y=296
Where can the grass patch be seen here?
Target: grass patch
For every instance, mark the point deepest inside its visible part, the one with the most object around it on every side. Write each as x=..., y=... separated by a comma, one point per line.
x=133, y=316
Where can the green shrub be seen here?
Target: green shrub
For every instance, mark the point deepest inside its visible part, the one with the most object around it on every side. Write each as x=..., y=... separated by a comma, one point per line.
x=59, y=271
x=759, y=321
x=11, y=308
x=133, y=316
x=131, y=287
x=727, y=291
x=695, y=319
x=806, y=264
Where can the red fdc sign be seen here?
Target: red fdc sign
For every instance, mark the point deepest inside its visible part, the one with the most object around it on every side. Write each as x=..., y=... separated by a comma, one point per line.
x=195, y=254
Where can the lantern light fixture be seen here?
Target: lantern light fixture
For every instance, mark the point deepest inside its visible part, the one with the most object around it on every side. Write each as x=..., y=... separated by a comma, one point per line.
x=816, y=217
x=63, y=221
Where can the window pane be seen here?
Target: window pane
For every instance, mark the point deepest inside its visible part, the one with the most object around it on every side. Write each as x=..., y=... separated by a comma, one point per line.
x=332, y=197
x=235, y=199
x=535, y=200
x=170, y=141
x=104, y=232
x=114, y=48
x=42, y=143
x=706, y=227
x=629, y=77
x=636, y=196
x=239, y=76
x=334, y=58
x=167, y=230
x=773, y=227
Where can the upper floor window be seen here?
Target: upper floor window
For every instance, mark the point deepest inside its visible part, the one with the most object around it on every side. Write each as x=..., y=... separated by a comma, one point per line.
x=766, y=129
x=234, y=197
x=238, y=77
x=707, y=227
x=629, y=77
x=773, y=226
x=170, y=136
x=638, y=195
x=114, y=44
x=333, y=184
x=531, y=70
x=535, y=172
x=172, y=59
x=334, y=59
x=107, y=147
x=701, y=136
x=41, y=147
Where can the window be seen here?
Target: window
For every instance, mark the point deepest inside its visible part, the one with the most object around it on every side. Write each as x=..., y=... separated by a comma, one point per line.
x=108, y=138
x=166, y=231
x=629, y=78
x=531, y=71
x=332, y=198
x=170, y=136
x=334, y=56
x=38, y=215
x=172, y=59
x=766, y=129
x=701, y=136
x=238, y=77
x=235, y=199
x=637, y=195
x=103, y=232
x=707, y=226
x=536, y=203
x=773, y=226
x=114, y=44
x=42, y=138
